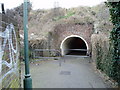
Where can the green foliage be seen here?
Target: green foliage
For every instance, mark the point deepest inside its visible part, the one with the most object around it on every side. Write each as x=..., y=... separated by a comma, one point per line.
x=66, y=16
x=99, y=55
x=114, y=8
x=109, y=61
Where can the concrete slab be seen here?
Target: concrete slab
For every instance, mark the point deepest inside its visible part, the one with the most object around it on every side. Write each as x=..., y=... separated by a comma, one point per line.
x=75, y=72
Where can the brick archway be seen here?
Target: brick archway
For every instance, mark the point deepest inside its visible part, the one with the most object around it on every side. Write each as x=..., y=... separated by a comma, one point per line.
x=74, y=42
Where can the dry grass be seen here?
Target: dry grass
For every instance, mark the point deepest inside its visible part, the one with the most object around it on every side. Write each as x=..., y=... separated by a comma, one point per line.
x=41, y=22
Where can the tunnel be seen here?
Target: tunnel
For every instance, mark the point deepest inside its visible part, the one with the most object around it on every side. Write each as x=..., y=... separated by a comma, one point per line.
x=74, y=45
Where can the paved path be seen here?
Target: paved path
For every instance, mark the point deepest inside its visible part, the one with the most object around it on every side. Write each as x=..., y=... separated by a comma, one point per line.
x=74, y=73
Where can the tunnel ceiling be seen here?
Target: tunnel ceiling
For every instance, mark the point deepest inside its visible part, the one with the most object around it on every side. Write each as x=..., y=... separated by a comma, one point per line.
x=77, y=43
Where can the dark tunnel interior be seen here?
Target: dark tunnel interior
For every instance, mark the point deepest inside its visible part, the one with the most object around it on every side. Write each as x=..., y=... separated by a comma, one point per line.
x=75, y=43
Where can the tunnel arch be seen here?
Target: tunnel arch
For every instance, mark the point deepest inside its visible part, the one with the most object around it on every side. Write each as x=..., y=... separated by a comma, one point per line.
x=68, y=40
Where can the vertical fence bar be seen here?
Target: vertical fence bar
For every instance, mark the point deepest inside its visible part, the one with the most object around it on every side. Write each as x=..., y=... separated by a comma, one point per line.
x=3, y=10
x=27, y=79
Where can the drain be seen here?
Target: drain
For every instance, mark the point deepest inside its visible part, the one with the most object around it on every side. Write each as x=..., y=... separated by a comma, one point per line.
x=65, y=73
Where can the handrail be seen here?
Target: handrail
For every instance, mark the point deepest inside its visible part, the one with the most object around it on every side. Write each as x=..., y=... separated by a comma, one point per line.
x=50, y=57
x=76, y=49
x=58, y=54
x=55, y=50
x=42, y=50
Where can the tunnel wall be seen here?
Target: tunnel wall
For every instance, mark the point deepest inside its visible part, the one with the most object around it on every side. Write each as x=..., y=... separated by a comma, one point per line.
x=62, y=31
x=66, y=45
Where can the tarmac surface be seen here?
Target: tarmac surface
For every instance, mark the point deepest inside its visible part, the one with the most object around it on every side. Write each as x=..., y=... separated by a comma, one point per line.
x=67, y=72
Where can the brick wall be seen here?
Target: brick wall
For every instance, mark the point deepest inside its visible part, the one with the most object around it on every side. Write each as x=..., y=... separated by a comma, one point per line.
x=63, y=30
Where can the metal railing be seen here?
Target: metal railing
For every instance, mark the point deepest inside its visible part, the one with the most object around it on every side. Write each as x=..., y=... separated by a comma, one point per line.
x=51, y=54
x=39, y=54
x=9, y=52
x=57, y=53
x=76, y=50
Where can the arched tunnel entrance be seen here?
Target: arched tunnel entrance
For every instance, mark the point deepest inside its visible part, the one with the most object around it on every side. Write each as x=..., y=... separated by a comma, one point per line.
x=74, y=45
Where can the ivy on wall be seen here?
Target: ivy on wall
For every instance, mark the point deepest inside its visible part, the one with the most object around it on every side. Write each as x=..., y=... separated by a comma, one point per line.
x=108, y=61
x=114, y=9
